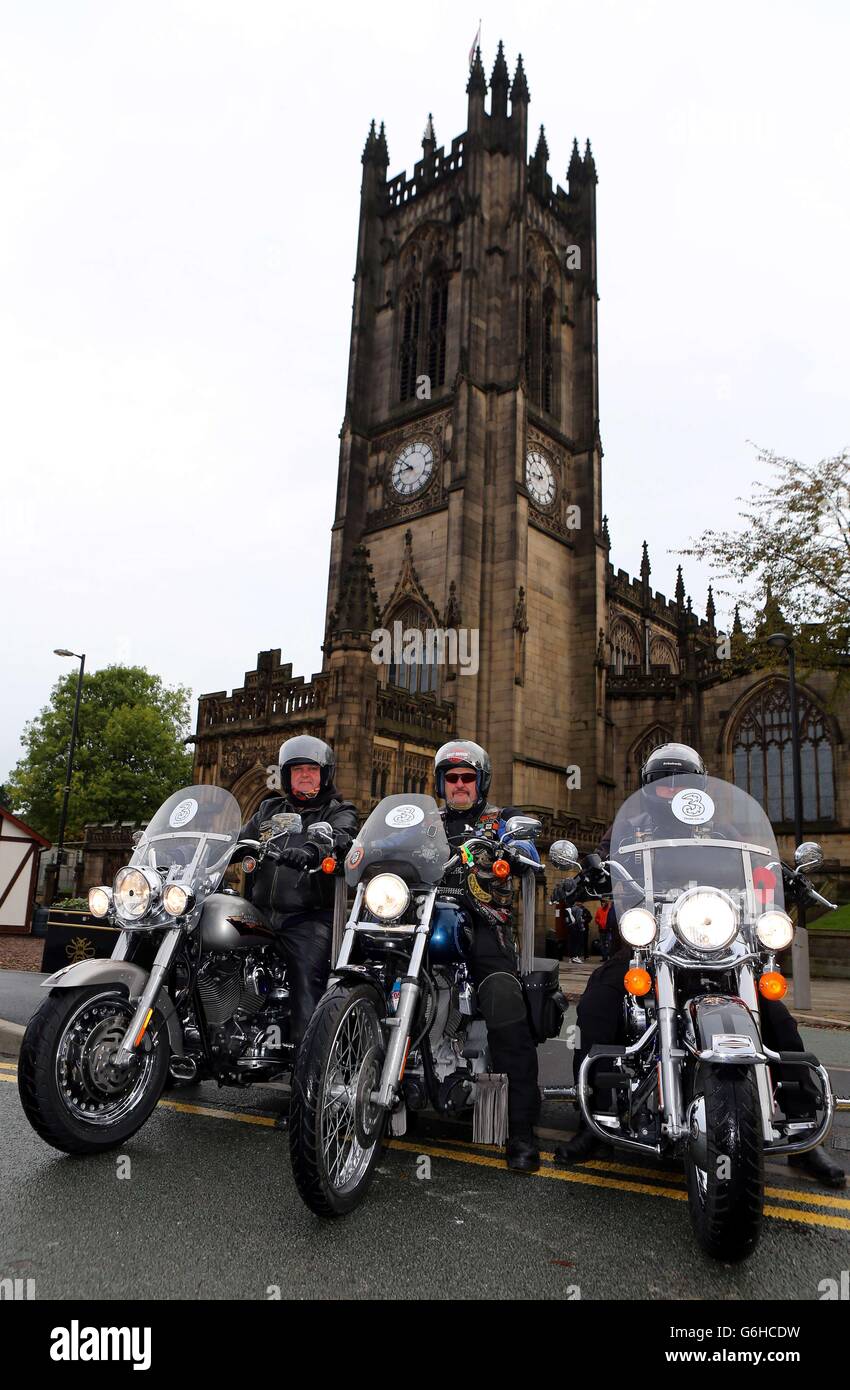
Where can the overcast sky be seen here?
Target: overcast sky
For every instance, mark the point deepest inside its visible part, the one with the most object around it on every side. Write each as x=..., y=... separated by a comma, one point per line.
x=180, y=186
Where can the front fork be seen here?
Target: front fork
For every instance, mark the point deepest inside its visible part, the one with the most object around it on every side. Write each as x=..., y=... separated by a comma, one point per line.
x=401, y=1025
x=147, y=999
x=675, y=1123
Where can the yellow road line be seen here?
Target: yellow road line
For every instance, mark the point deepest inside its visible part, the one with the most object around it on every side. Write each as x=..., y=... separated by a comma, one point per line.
x=840, y=1223
x=788, y=1194
x=462, y=1154
x=215, y=1114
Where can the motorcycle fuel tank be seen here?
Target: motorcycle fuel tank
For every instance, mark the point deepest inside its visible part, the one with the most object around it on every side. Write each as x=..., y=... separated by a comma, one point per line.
x=448, y=933
x=231, y=923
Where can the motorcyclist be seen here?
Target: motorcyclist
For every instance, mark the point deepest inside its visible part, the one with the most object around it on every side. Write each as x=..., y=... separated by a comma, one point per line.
x=600, y=1009
x=462, y=773
x=297, y=902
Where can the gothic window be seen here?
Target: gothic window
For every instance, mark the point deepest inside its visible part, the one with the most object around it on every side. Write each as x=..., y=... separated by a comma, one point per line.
x=532, y=345
x=762, y=755
x=409, y=343
x=645, y=745
x=547, y=356
x=661, y=653
x=413, y=667
x=438, y=301
x=625, y=648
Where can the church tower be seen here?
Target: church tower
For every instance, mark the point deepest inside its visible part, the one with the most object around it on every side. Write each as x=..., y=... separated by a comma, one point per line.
x=469, y=468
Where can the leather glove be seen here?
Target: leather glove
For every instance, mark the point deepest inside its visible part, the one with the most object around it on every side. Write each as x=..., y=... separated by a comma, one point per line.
x=299, y=859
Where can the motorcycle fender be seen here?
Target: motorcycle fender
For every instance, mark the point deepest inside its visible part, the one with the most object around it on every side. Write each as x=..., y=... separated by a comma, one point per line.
x=724, y=1031
x=355, y=975
x=118, y=972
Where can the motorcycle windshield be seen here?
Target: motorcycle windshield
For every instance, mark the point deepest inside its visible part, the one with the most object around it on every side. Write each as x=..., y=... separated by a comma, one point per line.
x=191, y=837
x=686, y=832
x=404, y=835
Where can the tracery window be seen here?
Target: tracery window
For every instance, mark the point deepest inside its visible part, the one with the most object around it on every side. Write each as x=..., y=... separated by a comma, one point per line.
x=414, y=666
x=625, y=648
x=762, y=754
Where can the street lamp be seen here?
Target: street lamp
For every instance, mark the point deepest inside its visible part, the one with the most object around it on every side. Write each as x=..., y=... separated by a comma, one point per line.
x=63, y=651
x=800, y=950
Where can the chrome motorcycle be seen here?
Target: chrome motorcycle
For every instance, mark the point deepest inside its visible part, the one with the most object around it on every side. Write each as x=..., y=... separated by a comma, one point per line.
x=703, y=909
x=398, y=1029
x=194, y=989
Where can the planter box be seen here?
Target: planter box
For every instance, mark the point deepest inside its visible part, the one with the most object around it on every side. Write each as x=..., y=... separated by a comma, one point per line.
x=75, y=935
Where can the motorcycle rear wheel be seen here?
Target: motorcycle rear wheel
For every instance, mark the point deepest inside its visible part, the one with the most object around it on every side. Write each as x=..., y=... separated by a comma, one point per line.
x=333, y=1170
x=725, y=1164
x=72, y=1094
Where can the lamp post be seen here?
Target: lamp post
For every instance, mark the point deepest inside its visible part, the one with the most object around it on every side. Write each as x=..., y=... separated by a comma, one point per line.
x=60, y=842
x=800, y=950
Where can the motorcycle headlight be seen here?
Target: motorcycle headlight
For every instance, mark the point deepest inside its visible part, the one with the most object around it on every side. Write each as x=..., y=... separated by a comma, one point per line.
x=176, y=900
x=638, y=926
x=705, y=919
x=99, y=900
x=134, y=892
x=387, y=896
x=775, y=930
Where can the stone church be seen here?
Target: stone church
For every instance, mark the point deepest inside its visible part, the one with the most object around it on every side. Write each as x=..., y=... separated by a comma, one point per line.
x=470, y=505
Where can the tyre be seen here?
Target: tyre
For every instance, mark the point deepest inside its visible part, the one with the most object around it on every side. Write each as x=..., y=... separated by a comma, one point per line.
x=335, y=1133
x=725, y=1161
x=73, y=1095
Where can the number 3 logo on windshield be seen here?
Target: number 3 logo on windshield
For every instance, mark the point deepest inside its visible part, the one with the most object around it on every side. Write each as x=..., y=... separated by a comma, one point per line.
x=692, y=807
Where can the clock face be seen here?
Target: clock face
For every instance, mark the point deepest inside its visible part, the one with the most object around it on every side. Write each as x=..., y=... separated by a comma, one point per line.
x=539, y=478
x=413, y=468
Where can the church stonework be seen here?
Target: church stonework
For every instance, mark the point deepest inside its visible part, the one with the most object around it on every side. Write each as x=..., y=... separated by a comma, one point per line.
x=469, y=501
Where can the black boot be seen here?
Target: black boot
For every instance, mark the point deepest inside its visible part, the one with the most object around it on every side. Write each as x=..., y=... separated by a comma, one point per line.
x=522, y=1154
x=584, y=1144
x=820, y=1167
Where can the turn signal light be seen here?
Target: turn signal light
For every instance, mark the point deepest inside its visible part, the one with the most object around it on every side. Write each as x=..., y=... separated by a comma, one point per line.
x=772, y=985
x=501, y=868
x=637, y=981
x=328, y=864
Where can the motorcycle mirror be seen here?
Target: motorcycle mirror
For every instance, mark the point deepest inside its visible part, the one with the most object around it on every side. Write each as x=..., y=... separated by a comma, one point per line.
x=322, y=831
x=526, y=827
x=563, y=854
x=808, y=855
x=286, y=823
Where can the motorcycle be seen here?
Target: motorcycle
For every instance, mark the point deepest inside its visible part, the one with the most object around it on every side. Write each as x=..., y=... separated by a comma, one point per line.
x=398, y=1029
x=703, y=909
x=194, y=989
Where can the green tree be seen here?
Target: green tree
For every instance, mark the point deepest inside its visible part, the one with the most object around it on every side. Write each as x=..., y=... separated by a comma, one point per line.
x=790, y=559
x=129, y=757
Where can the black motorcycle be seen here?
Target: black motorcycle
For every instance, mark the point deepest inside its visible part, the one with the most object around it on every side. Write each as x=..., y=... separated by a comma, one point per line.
x=195, y=987
x=398, y=1029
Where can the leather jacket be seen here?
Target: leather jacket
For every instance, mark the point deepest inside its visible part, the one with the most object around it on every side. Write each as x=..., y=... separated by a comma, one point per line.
x=276, y=887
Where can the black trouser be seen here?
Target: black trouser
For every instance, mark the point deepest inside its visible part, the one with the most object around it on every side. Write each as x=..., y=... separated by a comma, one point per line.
x=600, y=1020
x=577, y=939
x=304, y=941
x=512, y=1047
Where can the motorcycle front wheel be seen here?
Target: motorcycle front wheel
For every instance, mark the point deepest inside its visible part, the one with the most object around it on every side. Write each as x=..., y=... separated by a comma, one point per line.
x=725, y=1161
x=335, y=1132
x=72, y=1092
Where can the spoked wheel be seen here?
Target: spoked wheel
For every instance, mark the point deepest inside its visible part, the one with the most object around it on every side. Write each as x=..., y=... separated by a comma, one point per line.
x=72, y=1091
x=725, y=1161
x=335, y=1129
